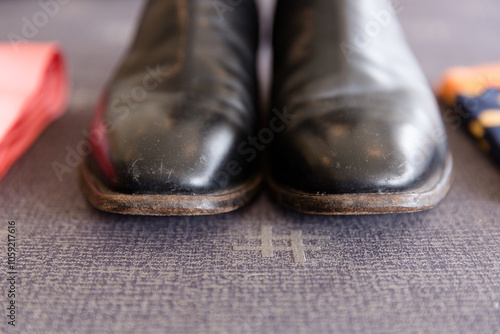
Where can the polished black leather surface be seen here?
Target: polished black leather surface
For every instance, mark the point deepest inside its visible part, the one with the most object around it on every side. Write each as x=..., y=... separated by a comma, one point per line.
x=182, y=101
x=364, y=117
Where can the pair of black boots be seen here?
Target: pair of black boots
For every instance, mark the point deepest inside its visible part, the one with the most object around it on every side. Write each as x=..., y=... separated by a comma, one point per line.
x=354, y=127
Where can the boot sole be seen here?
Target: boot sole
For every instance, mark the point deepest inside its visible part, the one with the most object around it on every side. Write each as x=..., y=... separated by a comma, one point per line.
x=106, y=199
x=423, y=198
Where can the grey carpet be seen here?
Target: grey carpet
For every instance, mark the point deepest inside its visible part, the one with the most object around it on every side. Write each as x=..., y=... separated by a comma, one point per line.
x=83, y=271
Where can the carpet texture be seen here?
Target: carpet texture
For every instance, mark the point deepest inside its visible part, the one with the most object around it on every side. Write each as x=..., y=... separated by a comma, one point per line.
x=84, y=271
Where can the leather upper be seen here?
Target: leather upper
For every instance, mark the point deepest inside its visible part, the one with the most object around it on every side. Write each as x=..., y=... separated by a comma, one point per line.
x=364, y=118
x=182, y=101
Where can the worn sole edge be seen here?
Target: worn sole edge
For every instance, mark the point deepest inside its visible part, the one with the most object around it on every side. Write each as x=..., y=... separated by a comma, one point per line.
x=365, y=203
x=105, y=199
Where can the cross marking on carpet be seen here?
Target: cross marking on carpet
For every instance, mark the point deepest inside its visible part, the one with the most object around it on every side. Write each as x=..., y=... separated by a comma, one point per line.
x=267, y=247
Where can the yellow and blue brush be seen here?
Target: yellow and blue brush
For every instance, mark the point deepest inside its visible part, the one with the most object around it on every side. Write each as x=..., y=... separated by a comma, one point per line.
x=474, y=93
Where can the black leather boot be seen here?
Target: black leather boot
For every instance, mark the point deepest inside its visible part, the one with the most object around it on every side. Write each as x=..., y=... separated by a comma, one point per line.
x=165, y=136
x=365, y=134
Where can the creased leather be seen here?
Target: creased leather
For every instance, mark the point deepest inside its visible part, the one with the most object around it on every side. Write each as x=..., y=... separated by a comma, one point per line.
x=182, y=101
x=365, y=119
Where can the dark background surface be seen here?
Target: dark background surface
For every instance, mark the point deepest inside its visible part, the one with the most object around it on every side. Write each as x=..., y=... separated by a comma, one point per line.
x=83, y=271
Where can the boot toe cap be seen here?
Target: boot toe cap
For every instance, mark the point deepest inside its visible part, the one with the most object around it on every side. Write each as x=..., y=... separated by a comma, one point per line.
x=152, y=155
x=347, y=152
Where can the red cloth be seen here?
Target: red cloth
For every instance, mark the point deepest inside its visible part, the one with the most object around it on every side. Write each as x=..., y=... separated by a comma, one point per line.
x=33, y=90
